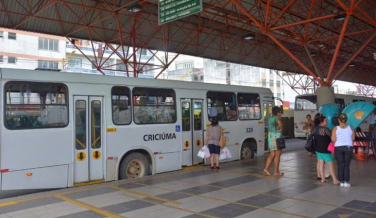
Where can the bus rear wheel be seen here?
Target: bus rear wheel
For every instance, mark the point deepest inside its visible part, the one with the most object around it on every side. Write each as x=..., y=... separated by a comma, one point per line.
x=135, y=165
x=248, y=151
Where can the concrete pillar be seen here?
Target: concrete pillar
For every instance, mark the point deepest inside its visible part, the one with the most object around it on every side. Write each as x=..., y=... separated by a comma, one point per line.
x=325, y=95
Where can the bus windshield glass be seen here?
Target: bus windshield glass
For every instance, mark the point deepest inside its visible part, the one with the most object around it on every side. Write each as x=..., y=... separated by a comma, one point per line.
x=306, y=103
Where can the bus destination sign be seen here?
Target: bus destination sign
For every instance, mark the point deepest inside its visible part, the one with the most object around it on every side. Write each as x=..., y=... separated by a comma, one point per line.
x=170, y=10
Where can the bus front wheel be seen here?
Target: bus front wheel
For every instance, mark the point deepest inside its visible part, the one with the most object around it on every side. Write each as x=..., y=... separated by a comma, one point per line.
x=135, y=165
x=248, y=151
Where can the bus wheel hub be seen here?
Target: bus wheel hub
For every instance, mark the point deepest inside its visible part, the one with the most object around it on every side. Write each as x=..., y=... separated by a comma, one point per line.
x=134, y=169
x=246, y=153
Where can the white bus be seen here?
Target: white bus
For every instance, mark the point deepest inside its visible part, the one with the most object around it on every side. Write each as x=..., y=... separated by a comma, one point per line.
x=61, y=129
x=307, y=105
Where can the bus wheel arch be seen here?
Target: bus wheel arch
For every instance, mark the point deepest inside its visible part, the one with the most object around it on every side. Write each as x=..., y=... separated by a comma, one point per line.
x=248, y=149
x=135, y=164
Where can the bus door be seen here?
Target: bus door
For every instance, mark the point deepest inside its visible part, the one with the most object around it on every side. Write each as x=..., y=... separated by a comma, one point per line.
x=267, y=112
x=88, y=141
x=192, y=131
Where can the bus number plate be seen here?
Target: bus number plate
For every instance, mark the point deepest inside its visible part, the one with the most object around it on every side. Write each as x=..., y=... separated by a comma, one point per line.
x=249, y=130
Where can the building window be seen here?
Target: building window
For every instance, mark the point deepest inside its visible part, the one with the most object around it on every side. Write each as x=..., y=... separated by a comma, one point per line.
x=12, y=36
x=141, y=51
x=48, y=44
x=263, y=82
x=12, y=60
x=154, y=106
x=47, y=64
x=186, y=65
x=278, y=83
x=1, y=34
x=75, y=63
x=1, y=59
x=271, y=83
x=249, y=106
x=121, y=105
x=31, y=105
x=278, y=95
x=222, y=105
x=93, y=62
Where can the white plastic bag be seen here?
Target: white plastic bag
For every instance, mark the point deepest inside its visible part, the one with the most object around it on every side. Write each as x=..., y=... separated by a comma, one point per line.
x=225, y=154
x=204, y=152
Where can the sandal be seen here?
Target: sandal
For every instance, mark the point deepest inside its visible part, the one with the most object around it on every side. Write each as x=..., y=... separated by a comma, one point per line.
x=217, y=168
x=267, y=172
x=279, y=174
x=212, y=167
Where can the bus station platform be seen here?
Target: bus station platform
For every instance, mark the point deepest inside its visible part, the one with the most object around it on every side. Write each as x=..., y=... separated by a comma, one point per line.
x=238, y=189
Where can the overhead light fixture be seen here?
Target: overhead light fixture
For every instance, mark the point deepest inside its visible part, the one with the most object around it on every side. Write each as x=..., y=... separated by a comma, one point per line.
x=313, y=54
x=340, y=17
x=134, y=8
x=352, y=64
x=250, y=36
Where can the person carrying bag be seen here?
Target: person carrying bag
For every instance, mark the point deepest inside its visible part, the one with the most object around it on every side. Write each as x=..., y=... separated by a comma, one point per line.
x=212, y=139
x=276, y=142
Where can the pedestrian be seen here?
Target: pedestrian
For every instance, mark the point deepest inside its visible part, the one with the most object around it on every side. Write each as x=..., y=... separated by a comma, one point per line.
x=275, y=132
x=323, y=139
x=316, y=122
x=213, y=135
x=343, y=136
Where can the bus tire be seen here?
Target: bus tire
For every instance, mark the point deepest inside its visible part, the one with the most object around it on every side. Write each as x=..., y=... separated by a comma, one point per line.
x=248, y=151
x=135, y=165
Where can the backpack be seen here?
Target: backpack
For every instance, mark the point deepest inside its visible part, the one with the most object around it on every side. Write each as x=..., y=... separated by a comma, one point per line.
x=311, y=142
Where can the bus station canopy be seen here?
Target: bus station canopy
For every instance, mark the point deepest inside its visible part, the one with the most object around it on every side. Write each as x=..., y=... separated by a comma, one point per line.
x=326, y=39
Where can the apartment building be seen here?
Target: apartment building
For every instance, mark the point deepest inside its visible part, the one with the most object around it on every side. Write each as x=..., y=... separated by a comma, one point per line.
x=28, y=50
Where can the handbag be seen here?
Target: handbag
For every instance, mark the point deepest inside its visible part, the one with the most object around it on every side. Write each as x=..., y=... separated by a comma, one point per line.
x=331, y=147
x=311, y=142
x=222, y=141
x=280, y=142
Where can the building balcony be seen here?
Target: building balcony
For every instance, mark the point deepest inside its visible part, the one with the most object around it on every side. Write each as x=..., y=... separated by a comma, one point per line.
x=140, y=58
x=107, y=72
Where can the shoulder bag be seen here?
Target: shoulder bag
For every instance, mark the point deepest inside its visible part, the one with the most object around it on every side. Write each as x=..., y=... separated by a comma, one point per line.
x=311, y=141
x=281, y=143
x=222, y=140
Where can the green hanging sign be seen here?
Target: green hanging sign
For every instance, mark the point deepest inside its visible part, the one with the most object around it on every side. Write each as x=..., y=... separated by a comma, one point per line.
x=170, y=10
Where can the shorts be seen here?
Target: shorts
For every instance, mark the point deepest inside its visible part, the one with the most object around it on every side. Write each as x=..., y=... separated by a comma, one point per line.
x=326, y=157
x=214, y=149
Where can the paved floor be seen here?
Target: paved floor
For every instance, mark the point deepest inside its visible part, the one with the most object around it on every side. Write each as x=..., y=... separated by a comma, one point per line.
x=239, y=189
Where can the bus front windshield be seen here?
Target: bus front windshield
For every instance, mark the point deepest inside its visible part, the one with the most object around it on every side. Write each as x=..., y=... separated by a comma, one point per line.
x=306, y=103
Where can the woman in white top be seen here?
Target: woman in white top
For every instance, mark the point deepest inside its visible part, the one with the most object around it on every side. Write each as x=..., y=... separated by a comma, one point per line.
x=343, y=136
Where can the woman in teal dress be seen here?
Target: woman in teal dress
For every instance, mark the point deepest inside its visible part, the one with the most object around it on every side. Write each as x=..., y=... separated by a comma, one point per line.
x=275, y=131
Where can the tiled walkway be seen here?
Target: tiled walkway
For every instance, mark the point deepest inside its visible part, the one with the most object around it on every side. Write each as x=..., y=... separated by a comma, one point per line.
x=239, y=189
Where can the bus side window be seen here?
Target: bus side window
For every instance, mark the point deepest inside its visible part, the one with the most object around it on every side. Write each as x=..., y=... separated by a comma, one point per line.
x=154, y=105
x=249, y=106
x=32, y=105
x=224, y=103
x=121, y=105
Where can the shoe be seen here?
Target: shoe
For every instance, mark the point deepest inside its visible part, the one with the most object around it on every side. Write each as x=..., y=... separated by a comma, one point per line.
x=347, y=185
x=217, y=168
x=342, y=185
x=212, y=167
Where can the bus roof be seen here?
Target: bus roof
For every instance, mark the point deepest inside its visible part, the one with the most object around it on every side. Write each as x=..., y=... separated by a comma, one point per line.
x=66, y=77
x=339, y=96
